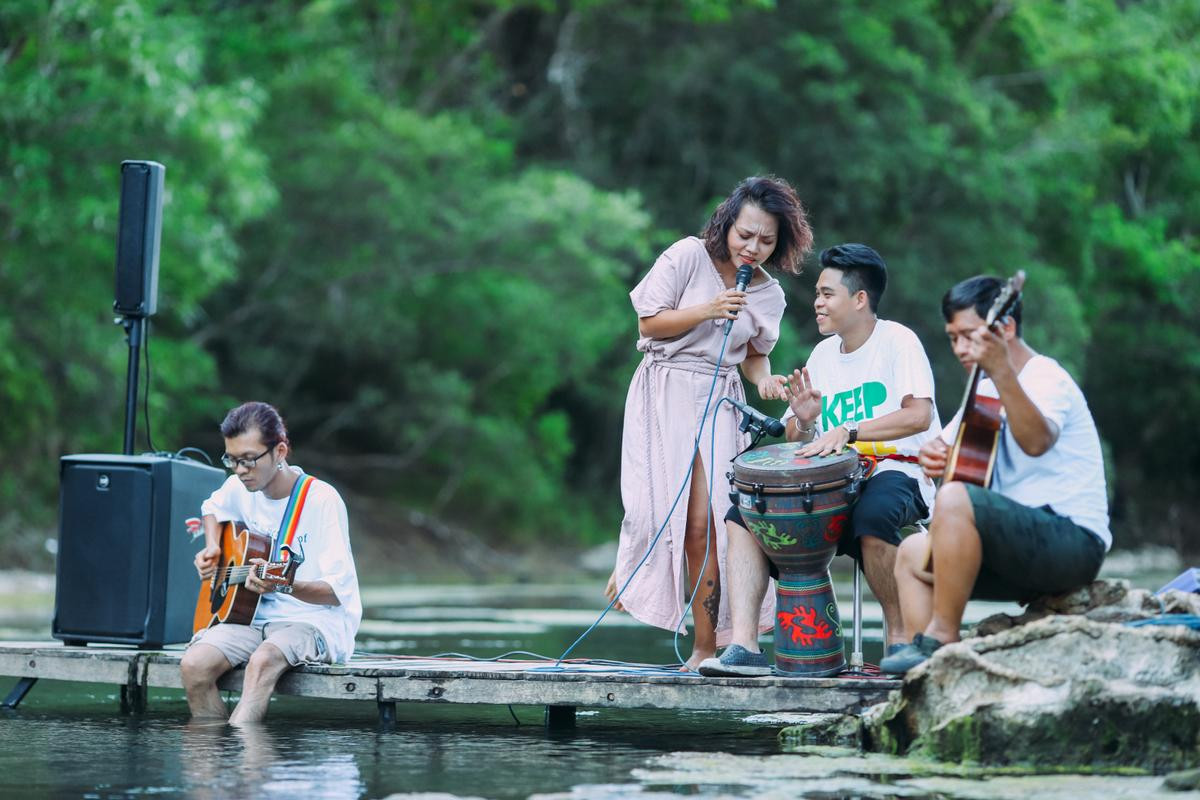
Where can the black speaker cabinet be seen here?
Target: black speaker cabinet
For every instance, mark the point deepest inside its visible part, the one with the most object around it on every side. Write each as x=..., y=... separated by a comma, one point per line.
x=125, y=555
x=138, y=235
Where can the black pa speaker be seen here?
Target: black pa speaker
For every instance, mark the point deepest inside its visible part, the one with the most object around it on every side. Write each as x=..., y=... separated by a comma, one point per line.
x=138, y=235
x=125, y=552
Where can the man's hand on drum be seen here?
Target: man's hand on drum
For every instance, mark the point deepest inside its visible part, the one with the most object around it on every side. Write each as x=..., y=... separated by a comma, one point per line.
x=932, y=457
x=833, y=441
x=206, y=561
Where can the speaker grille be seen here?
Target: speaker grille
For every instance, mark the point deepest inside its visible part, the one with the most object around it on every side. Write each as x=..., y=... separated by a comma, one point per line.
x=104, y=549
x=138, y=236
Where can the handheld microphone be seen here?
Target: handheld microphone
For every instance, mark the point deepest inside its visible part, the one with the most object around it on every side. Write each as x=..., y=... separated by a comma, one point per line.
x=771, y=425
x=744, y=273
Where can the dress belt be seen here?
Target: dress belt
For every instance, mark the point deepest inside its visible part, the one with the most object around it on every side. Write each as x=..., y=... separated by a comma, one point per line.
x=689, y=364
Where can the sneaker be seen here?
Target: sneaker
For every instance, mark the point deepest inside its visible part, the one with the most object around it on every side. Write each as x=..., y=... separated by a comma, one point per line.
x=892, y=649
x=736, y=662
x=910, y=655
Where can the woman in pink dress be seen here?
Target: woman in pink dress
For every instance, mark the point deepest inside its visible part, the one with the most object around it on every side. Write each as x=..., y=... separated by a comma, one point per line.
x=682, y=305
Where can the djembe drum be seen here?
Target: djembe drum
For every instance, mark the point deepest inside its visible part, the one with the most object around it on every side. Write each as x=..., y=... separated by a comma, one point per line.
x=796, y=507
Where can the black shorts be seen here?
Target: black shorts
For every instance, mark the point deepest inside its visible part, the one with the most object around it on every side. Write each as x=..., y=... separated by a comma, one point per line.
x=1030, y=551
x=888, y=502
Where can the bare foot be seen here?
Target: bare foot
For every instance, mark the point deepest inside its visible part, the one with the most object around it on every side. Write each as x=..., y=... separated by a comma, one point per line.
x=610, y=591
x=693, y=663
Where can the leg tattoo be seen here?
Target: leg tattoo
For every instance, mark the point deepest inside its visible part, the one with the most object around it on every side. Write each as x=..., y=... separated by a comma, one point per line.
x=712, y=603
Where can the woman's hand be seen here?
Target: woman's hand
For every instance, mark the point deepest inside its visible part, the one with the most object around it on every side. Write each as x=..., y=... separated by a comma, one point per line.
x=610, y=592
x=772, y=387
x=726, y=305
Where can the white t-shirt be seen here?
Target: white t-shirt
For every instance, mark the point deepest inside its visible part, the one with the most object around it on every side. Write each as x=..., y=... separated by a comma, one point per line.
x=1069, y=477
x=871, y=382
x=323, y=532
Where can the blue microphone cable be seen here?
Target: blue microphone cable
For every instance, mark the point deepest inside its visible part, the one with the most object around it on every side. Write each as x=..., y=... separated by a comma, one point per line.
x=658, y=535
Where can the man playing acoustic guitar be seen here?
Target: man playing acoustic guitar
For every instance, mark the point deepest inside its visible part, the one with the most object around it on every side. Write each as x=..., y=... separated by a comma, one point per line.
x=1042, y=527
x=312, y=618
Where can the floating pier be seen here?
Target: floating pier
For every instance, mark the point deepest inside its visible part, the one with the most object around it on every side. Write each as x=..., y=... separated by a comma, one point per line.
x=388, y=680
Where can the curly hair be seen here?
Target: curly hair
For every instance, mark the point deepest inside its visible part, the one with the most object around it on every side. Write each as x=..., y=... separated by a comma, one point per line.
x=776, y=197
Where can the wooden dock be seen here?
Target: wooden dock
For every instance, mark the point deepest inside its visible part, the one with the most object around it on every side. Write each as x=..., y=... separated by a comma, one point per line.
x=388, y=680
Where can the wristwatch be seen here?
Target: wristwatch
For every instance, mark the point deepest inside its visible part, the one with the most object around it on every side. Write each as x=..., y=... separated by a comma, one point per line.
x=851, y=426
x=284, y=589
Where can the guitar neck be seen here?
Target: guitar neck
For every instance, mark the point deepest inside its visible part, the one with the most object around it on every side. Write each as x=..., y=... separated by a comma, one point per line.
x=969, y=395
x=239, y=572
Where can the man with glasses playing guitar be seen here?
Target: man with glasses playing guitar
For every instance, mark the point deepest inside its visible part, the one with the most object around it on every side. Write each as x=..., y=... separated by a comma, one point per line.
x=279, y=583
x=1022, y=510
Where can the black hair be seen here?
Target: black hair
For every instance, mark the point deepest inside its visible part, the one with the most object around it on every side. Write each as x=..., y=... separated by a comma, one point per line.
x=262, y=417
x=863, y=270
x=978, y=293
x=776, y=197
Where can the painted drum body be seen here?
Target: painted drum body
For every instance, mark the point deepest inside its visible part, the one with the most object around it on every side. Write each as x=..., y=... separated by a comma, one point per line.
x=797, y=507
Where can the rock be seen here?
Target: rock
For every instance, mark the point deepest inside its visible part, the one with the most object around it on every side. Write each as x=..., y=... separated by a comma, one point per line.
x=1185, y=781
x=1061, y=691
x=834, y=730
x=600, y=559
x=1103, y=601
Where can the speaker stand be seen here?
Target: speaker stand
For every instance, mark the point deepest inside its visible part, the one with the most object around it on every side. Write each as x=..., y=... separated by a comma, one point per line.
x=135, y=328
x=18, y=693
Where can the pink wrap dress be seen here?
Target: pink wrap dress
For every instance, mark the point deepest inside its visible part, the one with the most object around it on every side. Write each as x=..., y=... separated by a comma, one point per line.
x=662, y=417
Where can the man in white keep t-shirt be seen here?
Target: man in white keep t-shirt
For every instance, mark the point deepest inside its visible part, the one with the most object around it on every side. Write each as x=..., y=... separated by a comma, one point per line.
x=868, y=385
x=315, y=616
x=1042, y=526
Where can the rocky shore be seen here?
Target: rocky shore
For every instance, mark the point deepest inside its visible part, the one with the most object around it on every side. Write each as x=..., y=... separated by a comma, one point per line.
x=1067, y=684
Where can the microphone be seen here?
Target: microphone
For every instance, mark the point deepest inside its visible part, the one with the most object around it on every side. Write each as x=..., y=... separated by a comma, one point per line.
x=769, y=424
x=744, y=273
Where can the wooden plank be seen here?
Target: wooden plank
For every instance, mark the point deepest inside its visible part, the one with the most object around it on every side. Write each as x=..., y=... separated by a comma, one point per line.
x=389, y=680
x=715, y=694
x=68, y=664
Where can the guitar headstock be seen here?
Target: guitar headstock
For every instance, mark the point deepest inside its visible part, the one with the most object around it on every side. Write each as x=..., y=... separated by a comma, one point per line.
x=1010, y=295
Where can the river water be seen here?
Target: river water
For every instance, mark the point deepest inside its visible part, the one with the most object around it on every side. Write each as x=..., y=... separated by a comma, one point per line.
x=71, y=740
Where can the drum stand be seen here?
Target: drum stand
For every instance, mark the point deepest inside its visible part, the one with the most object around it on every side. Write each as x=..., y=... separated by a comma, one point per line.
x=856, y=653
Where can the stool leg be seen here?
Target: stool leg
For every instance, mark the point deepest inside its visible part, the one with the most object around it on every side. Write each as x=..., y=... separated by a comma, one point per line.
x=856, y=652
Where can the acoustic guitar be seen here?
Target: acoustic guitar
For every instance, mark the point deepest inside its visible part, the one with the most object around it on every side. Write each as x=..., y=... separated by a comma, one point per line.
x=224, y=597
x=973, y=456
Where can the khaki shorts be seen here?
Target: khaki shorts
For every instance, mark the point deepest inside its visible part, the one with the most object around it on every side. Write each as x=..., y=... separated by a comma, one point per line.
x=299, y=642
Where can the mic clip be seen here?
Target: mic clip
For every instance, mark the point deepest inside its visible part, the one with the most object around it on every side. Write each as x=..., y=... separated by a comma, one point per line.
x=752, y=426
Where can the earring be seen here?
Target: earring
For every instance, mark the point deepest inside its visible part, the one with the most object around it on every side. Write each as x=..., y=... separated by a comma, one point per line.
x=279, y=466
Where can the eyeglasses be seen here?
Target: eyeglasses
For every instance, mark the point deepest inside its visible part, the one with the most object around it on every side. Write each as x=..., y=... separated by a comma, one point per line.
x=233, y=463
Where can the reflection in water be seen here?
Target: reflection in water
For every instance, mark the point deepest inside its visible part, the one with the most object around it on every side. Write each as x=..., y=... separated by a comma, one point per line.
x=64, y=744
x=264, y=760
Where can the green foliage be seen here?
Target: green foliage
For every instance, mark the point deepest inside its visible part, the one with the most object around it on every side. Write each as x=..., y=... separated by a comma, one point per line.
x=413, y=225
x=417, y=299
x=83, y=86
